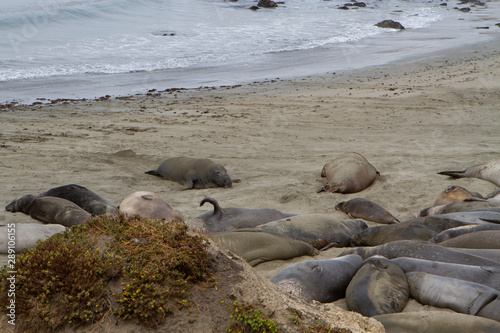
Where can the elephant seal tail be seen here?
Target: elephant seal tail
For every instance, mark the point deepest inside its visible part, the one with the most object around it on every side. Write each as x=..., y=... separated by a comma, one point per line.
x=454, y=174
x=153, y=172
x=217, y=209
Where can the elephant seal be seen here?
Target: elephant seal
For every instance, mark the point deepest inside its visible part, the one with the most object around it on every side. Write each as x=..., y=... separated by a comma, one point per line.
x=193, y=172
x=459, y=295
x=487, y=275
x=321, y=230
x=436, y=322
x=457, y=231
x=459, y=206
x=348, y=173
x=454, y=193
x=26, y=235
x=256, y=246
x=423, y=250
x=421, y=228
x=486, y=239
x=51, y=210
x=493, y=195
x=324, y=281
x=81, y=196
x=489, y=171
x=378, y=287
x=472, y=216
x=367, y=210
x=150, y=205
x=228, y=219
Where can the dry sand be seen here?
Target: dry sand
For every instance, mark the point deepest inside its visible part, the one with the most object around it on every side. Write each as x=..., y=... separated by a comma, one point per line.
x=410, y=120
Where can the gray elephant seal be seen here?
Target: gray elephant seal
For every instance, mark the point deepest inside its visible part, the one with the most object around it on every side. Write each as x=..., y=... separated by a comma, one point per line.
x=422, y=250
x=81, y=196
x=26, y=235
x=436, y=322
x=485, y=239
x=487, y=275
x=256, y=246
x=421, y=228
x=379, y=286
x=459, y=206
x=149, y=205
x=367, y=210
x=457, y=231
x=321, y=230
x=51, y=210
x=454, y=193
x=348, y=173
x=193, y=172
x=489, y=171
x=232, y=218
x=324, y=281
x=459, y=295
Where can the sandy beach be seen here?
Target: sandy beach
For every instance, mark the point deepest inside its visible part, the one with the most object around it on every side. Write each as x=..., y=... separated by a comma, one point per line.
x=410, y=120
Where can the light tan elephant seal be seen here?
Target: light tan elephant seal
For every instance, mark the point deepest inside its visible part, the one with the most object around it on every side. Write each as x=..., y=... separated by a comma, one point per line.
x=454, y=193
x=348, y=173
x=489, y=171
x=150, y=205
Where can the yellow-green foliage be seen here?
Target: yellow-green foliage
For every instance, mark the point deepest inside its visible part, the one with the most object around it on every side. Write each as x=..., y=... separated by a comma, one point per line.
x=246, y=319
x=316, y=327
x=65, y=279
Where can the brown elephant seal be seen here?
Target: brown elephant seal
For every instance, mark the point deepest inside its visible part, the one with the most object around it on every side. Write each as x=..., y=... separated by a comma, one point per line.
x=193, y=172
x=489, y=171
x=459, y=295
x=81, y=196
x=459, y=206
x=486, y=239
x=232, y=218
x=458, y=231
x=51, y=210
x=487, y=275
x=454, y=193
x=256, y=246
x=321, y=230
x=425, y=250
x=379, y=286
x=421, y=228
x=149, y=205
x=367, y=210
x=26, y=235
x=348, y=173
x=324, y=281
x=436, y=322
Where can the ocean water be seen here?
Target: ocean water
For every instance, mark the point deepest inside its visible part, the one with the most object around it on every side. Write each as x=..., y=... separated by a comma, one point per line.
x=90, y=48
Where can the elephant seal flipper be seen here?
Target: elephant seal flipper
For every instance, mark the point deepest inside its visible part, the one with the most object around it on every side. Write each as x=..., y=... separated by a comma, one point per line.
x=481, y=301
x=489, y=171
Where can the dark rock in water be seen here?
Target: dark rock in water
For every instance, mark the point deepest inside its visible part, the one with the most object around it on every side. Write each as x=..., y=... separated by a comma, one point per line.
x=254, y=8
x=359, y=4
x=390, y=24
x=482, y=27
x=472, y=2
x=465, y=9
x=267, y=4
x=343, y=8
x=498, y=25
x=443, y=4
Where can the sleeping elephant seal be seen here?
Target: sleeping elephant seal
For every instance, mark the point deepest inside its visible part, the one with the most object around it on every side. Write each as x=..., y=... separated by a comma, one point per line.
x=82, y=196
x=51, y=210
x=232, y=218
x=454, y=193
x=486, y=239
x=457, y=231
x=436, y=322
x=487, y=275
x=256, y=246
x=489, y=171
x=348, y=173
x=459, y=295
x=422, y=250
x=367, y=210
x=421, y=228
x=459, y=206
x=149, y=205
x=379, y=286
x=324, y=281
x=321, y=230
x=193, y=172
x=26, y=234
